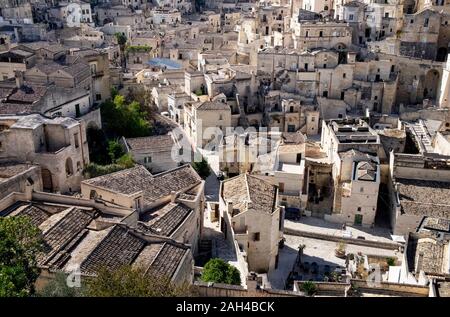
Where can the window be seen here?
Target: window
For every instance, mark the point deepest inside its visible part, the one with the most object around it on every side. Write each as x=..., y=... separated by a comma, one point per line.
x=78, y=166
x=220, y=117
x=77, y=142
x=344, y=75
x=306, y=66
x=147, y=159
x=386, y=15
x=359, y=209
x=324, y=65
x=281, y=186
x=256, y=236
x=137, y=204
x=98, y=97
x=93, y=69
x=307, y=33
x=325, y=94
x=361, y=190
x=321, y=34
x=350, y=17
x=77, y=110
x=92, y=194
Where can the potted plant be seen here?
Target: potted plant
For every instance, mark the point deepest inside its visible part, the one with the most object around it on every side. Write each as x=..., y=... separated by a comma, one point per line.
x=340, y=250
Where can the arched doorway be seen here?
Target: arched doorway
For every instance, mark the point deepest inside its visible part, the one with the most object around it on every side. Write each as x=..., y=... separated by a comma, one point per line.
x=47, y=182
x=431, y=84
x=442, y=54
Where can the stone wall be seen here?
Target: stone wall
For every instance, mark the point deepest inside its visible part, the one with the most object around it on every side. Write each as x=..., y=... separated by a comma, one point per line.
x=224, y=290
x=320, y=236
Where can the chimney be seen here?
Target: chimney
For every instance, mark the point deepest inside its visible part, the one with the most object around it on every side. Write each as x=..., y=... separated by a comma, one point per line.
x=18, y=74
x=173, y=196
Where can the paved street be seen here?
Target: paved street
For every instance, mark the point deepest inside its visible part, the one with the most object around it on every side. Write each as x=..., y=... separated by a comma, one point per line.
x=319, y=251
x=311, y=224
x=212, y=183
x=221, y=248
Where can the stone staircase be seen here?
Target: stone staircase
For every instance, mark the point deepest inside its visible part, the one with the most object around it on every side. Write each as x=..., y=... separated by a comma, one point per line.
x=423, y=136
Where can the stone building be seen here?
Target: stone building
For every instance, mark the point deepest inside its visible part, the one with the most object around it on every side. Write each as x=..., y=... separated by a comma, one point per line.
x=58, y=145
x=357, y=178
x=98, y=236
x=156, y=153
x=169, y=204
x=15, y=60
x=356, y=151
x=200, y=117
x=15, y=177
x=252, y=220
x=299, y=117
x=419, y=187
x=419, y=34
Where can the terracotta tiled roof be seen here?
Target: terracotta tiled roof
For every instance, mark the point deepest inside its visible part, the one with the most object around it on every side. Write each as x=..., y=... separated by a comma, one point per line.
x=135, y=179
x=250, y=192
x=165, y=220
x=422, y=197
x=118, y=248
x=151, y=142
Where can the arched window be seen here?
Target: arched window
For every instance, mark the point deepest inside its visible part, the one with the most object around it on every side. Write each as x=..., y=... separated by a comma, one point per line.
x=69, y=167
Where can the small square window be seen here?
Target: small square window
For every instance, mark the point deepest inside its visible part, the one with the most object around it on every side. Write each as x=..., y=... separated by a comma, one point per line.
x=256, y=236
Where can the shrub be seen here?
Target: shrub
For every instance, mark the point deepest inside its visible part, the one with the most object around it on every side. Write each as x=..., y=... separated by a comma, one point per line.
x=202, y=168
x=218, y=271
x=94, y=170
x=390, y=261
x=20, y=243
x=128, y=281
x=309, y=288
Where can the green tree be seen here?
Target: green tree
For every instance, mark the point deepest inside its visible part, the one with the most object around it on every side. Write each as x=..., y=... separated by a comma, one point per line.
x=125, y=160
x=94, y=170
x=390, y=261
x=20, y=242
x=127, y=281
x=202, y=168
x=115, y=150
x=218, y=271
x=58, y=287
x=122, y=41
x=122, y=119
x=97, y=142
